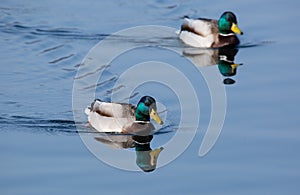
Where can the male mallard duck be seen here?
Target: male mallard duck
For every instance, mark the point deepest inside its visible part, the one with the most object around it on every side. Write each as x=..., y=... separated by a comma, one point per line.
x=123, y=118
x=211, y=33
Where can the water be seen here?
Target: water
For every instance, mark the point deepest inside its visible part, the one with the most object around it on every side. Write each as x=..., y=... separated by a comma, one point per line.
x=42, y=46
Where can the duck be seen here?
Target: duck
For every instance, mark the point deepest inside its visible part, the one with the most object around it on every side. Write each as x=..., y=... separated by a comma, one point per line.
x=111, y=117
x=211, y=33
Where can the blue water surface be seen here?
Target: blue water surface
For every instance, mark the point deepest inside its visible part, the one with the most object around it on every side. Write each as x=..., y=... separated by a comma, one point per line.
x=44, y=42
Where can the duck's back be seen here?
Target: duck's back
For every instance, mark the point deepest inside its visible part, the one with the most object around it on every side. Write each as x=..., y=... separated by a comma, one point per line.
x=116, y=110
x=199, y=32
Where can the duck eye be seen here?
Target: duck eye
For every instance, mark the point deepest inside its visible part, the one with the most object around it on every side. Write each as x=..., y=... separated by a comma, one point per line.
x=147, y=103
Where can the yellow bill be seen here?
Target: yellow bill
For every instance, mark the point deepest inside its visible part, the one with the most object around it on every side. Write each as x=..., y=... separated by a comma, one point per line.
x=154, y=155
x=154, y=116
x=235, y=65
x=235, y=29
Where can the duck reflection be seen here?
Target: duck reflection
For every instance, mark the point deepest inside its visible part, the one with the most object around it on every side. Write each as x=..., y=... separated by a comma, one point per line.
x=146, y=157
x=223, y=57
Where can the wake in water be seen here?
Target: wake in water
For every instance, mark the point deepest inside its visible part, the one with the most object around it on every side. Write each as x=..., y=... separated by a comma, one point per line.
x=38, y=125
x=57, y=126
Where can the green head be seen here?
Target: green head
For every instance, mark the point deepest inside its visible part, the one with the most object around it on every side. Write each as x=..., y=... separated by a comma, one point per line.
x=145, y=109
x=228, y=24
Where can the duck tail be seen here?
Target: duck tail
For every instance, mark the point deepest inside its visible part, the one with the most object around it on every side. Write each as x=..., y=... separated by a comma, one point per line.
x=185, y=17
x=93, y=103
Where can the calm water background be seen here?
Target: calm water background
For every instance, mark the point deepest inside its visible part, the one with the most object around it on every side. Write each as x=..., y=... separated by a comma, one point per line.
x=42, y=43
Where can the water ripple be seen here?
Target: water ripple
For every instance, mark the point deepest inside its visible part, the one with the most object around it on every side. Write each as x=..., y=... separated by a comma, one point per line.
x=61, y=59
x=52, y=48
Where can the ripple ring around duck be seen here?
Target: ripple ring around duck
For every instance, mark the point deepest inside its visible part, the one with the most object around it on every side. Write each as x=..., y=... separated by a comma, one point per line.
x=92, y=74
